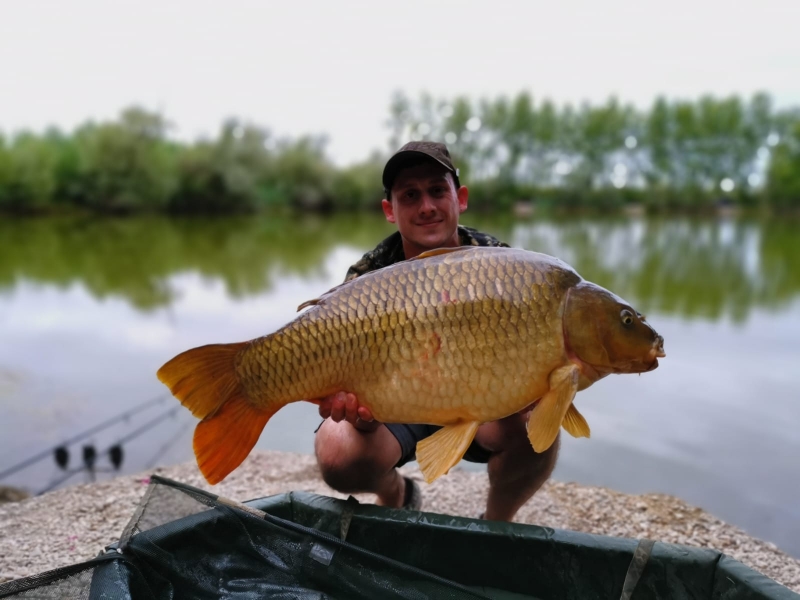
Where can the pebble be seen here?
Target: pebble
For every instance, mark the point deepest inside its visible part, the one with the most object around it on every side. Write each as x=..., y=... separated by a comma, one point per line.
x=72, y=524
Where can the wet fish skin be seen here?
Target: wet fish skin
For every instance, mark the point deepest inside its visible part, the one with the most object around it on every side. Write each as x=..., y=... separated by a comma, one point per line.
x=455, y=337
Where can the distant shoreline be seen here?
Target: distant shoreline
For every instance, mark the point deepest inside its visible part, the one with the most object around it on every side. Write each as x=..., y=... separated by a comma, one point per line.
x=700, y=153
x=73, y=524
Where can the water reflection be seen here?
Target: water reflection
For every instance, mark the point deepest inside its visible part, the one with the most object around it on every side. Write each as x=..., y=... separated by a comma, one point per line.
x=136, y=258
x=89, y=309
x=692, y=268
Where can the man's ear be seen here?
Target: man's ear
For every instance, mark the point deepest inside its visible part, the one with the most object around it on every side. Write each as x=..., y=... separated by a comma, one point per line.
x=388, y=210
x=463, y=195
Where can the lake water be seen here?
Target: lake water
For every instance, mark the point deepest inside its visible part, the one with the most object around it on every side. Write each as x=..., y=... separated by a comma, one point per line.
x=89, y=309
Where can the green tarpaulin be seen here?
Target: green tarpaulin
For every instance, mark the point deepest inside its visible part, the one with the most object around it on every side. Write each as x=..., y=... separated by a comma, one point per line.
x=183, y=542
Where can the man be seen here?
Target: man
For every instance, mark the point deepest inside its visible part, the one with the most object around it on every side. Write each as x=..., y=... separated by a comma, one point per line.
x=356, y=454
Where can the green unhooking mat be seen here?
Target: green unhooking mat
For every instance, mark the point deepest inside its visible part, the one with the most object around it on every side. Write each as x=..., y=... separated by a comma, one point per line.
x=183, y=542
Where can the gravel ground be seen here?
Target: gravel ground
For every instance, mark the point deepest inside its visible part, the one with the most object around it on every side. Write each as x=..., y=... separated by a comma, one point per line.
x=73, y=524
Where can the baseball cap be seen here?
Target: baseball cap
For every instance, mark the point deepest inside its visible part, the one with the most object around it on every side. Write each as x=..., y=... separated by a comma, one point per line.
x=413, y=151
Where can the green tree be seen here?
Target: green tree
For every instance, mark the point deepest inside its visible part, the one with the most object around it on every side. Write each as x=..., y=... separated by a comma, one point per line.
x=783, y=182
x=126, y=165
x=600, y=133
x=6, y=173
x=359, y=186
x=302, y=175
x=659, y=140
x=228, y=174
x=676, y=154
x=28, y=169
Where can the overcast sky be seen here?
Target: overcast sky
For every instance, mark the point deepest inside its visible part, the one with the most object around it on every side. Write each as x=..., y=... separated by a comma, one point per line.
x=331, y=67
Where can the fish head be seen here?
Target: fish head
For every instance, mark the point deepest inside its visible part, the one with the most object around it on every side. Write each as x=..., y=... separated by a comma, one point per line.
x=605, y=333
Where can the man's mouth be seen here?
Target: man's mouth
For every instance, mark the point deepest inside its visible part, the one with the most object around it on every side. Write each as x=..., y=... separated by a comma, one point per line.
x=429, y=224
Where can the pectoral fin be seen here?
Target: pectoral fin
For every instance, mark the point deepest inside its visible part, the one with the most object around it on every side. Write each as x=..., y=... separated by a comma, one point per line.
x=575, y=424
x=438, y=453
x=547, y=416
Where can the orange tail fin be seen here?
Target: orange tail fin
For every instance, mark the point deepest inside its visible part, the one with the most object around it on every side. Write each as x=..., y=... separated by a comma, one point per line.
x=204, y=380
x=223, y=441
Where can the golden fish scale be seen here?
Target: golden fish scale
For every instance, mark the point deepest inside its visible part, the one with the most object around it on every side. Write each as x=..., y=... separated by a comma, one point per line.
x=470, y=335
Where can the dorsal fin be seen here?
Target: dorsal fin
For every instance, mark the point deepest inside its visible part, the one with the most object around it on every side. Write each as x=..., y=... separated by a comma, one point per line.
x=308, y=303
x=426, y=254
x=438, y=251
x=321, y=298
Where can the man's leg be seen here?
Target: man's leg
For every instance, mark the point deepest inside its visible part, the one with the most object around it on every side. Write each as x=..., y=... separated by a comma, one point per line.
x=353, y=461
x=516, y=472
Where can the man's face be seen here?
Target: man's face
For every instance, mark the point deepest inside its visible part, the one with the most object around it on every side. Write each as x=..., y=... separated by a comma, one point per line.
x=425, y=205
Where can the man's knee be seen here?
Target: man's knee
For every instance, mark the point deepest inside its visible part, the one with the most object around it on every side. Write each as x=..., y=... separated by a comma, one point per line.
x=334, y=456
x=509, y=434
x=545, y=462
x=348, y=460
x=541, y=464
x=518, y=455
x=338, y=474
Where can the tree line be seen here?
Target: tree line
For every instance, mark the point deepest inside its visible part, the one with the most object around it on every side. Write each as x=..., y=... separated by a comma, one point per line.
x=678, y=154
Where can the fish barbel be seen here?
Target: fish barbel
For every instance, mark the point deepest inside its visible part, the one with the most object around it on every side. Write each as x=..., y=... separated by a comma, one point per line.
x=455, y=337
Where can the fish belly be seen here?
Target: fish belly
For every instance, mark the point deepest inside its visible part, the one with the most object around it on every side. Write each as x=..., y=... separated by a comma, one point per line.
x=471, y=335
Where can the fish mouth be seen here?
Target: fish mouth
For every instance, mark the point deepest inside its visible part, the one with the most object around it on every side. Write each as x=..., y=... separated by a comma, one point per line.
x=658, y=347
x=656, y=352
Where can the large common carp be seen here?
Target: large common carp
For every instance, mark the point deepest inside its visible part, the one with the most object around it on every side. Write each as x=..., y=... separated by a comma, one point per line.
x=455, y=337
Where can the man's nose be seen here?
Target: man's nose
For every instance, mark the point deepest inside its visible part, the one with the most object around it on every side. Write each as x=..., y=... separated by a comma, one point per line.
x=426, y=204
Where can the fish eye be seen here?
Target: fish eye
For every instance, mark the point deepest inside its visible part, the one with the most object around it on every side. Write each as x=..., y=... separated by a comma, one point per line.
x=627, y=317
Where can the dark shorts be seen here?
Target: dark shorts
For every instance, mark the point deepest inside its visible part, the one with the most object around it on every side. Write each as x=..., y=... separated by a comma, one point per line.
x=408, y=436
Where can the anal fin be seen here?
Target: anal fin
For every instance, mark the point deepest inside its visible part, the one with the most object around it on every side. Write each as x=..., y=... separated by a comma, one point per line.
x=223, y=440
x=575, y=423
x=547, y=416
x=438, y=453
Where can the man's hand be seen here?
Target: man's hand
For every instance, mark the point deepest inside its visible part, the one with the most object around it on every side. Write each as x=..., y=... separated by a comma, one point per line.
x=344, y=406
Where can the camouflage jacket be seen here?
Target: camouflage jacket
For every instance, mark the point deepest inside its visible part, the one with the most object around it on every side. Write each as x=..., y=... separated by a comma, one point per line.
x=390, y=250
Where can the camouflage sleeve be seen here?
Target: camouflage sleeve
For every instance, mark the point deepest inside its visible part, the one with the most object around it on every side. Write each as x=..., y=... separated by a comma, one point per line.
x=473, y=237
x=390, y=250
x=359, y=268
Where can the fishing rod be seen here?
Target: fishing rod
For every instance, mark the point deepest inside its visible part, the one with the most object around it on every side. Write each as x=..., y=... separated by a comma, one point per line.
x=169, y=443
x=122, y=416
x=114, y=452
x=144, y=427
x=61, y=480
